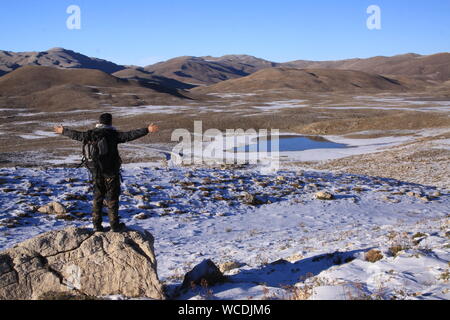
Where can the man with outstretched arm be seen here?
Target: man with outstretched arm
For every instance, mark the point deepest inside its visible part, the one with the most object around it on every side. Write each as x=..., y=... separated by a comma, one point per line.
x=101, y=157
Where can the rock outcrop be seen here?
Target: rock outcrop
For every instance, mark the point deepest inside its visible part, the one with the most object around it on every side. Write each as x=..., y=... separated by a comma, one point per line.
x=53, y=208
x=324, y=195
x=204, y=273
x=79, y=261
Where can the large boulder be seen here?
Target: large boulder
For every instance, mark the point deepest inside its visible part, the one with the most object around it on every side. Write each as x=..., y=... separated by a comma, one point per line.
x=204, y=273
x=53, y=208
x=79, y=261
x=324, y=195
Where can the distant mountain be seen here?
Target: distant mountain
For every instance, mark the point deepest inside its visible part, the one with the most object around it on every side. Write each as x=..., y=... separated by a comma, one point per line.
x=307, y=80
x=431, y=67
x=208, y=70
x=188, y=72
x=56, y=57
x=245, y=63
x=30, y=79
x=139, y=74
x=50, y=89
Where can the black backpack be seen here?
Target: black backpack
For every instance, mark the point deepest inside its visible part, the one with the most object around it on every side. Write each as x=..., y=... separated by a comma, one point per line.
x=95, y=150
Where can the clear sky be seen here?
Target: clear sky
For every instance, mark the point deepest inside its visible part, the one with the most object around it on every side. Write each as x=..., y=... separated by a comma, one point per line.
x=142, y=32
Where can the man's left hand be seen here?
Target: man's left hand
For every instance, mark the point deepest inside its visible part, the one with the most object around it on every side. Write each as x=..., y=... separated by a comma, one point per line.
x=153, y=128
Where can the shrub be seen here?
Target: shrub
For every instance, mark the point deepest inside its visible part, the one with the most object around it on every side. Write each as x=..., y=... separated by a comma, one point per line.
x=419, y=235
x=445, y=276
x=374, y=256
x=394, y=250
x=303, y=292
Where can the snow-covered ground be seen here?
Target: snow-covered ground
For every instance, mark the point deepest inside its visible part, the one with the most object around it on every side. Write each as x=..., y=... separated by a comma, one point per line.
x=419, y=109
x=305, y=152
x=279, y=239
x=129, y=111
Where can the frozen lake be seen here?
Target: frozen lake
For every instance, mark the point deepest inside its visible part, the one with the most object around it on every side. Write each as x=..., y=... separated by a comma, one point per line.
x=289, y=144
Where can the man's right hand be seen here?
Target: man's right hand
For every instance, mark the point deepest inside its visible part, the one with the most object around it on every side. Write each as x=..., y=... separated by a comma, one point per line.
x=59, y=129
x=153, y=128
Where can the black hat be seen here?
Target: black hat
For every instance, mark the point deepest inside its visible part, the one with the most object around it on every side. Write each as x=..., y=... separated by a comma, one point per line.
x=106, y=119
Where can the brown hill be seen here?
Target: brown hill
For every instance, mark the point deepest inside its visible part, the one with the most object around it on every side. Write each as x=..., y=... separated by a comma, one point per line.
x=244, y=63
x=208, y=70
x=30, y=79
x=432, y=67
x=307, y=80
x=139, y=74
x=194, y=71
x=56, y=57
x=51, y=89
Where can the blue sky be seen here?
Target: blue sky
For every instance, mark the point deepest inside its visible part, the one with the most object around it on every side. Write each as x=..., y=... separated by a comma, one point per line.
x=142, y=32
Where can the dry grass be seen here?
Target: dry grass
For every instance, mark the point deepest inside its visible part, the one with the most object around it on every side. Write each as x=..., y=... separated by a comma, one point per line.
x=419, y=235
x=445, y=276
x=313, y=118
x=303, y=292
x=395, y=250
x=374, y=256
x=308, y=80
x=416, y=162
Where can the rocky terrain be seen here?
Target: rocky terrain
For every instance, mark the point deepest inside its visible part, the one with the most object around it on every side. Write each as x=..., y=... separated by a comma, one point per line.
x=365, y=219
x=82, y=263
x=292, y=234
x=425, y=161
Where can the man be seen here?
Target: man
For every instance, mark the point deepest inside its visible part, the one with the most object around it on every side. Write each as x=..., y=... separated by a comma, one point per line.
x=104, y=164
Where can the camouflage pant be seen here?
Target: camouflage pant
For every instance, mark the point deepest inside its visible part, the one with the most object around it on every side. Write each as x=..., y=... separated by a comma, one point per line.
x=106, y=189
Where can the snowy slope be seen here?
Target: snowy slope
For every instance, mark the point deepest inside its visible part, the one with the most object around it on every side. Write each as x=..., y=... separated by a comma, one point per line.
x=288, y=244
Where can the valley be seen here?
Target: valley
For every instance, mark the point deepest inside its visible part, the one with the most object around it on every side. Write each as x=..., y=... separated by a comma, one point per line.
x=364, y=168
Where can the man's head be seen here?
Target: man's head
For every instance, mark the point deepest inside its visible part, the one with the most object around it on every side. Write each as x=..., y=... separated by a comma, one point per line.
x=106, y=119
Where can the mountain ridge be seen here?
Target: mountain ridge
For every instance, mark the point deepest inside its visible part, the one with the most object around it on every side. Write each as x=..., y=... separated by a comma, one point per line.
x=55, y=57
x=56, y=89
x=307, y=80
x=186, y=72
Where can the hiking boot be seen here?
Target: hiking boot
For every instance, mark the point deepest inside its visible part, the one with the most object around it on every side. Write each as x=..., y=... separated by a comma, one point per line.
x=99, y=228
x=118, y=227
